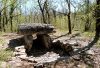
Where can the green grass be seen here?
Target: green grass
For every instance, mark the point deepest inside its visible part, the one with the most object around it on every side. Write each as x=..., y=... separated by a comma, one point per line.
x=60, y=23
x=2, y=64
x=1, y=33
x=5, y=54
x=98, y=44
x=2, y=41
x=91, y=35
x=88, y=34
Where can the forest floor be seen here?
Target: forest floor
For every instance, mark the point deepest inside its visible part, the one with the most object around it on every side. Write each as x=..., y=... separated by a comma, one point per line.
x=8, y=59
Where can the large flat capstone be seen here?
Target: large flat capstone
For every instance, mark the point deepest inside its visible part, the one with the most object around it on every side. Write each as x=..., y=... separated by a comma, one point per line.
x=30, y=28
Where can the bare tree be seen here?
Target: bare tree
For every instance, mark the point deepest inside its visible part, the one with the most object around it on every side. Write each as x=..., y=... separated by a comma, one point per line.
x=42, y=10
x=69, y=13
x=46, y=4
x=54, y=14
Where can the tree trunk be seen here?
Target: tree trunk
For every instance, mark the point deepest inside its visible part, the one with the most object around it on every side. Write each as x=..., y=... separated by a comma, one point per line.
x=47, y=12
x=11, y=17
x=0, y=22
x=3, y=24
x=44, y=21
x=54, y=15
x=12, y=8
x=87, y=24
x=98, y=18
x=42, y=11
x=11, y=28
x=69, y=20
x=69, y=24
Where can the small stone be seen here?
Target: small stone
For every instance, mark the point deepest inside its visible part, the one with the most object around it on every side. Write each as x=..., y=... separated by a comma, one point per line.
x=34, y=61
x=75, y=49
x=90, y=52
x=76, y=57
x=31, y=59
x=19, y=53
x=81, y=65
x=19, y=48
x=22, y=50
x=18, y=64
x=12, y=64
x=13, y=58
x=23, y=56
x=73, y=42
x=39, y=66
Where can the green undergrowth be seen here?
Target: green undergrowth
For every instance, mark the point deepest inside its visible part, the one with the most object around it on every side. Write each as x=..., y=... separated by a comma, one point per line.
x=5, y=54
x=91, y=35
x=98, y=43
x=2, y=41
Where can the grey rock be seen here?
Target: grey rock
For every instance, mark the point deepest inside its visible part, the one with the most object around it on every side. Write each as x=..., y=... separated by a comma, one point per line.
x=76, y=57
x=81, y=66
x=23, y=56
x=30, y=28
x=90, y=52
x=19, y=48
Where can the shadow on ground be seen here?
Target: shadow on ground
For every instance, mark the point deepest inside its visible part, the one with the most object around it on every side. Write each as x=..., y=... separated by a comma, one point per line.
x=15, y=42
x=38, y=47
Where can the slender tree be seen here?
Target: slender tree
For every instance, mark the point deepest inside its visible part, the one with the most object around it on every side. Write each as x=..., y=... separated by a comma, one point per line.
x=69, y=13
x=4, y=16
x=0, y=22
x=54, y=14
x=12, y=8
x=87, y=24
x=46, y=4
x=42, y=10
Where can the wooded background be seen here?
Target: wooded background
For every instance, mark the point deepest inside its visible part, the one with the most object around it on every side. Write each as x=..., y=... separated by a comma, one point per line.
x=73, y=16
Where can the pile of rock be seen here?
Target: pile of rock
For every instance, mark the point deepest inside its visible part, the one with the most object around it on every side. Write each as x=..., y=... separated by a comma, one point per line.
x=36, y=61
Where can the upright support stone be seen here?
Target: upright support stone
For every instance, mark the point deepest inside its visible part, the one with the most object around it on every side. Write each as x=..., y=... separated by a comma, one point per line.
x=45, y=40
x=28, y=42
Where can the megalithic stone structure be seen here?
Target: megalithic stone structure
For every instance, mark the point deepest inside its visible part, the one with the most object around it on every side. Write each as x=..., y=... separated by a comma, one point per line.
x=27, y=29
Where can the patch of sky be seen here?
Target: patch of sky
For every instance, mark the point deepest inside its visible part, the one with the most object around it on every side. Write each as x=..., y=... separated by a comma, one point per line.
x=58, y=5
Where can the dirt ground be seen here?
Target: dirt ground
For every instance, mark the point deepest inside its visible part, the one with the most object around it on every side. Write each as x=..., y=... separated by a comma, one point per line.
x=90, y=60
